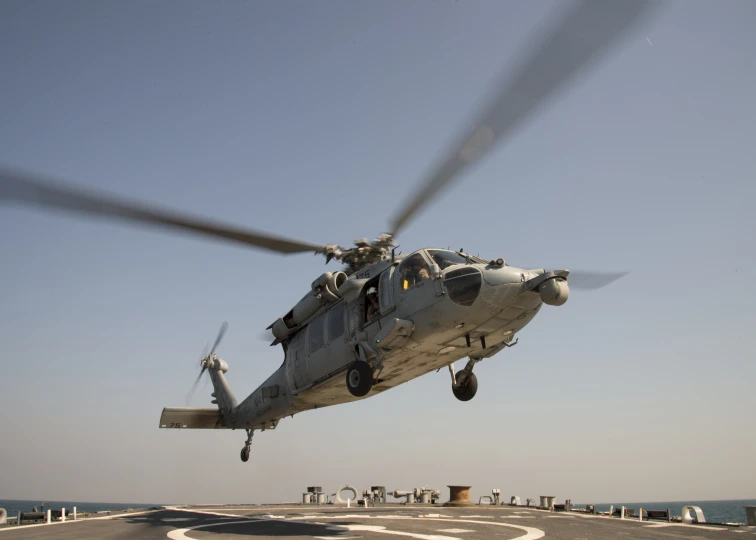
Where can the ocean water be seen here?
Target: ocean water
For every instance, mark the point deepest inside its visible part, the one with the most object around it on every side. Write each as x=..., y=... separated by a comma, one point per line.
x=731, y=511
x=15, y=506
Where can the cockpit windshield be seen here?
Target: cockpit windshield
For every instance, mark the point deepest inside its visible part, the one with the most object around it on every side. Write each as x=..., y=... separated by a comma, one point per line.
x=444, y=258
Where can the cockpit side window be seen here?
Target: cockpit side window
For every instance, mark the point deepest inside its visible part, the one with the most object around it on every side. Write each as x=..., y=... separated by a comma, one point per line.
x=413, y=270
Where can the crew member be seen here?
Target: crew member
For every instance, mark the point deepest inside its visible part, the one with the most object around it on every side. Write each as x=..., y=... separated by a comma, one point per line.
x=372, y=304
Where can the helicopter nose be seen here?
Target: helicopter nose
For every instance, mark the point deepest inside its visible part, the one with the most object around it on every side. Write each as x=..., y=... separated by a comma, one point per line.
x=503, y=284
x=508, y=275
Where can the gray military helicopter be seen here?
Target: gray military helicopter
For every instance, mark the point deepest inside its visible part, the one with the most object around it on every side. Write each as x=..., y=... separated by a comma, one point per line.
x=385, y=319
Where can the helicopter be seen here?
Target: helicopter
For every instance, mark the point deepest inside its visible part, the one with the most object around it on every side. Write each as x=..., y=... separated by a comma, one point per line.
x=384, y=318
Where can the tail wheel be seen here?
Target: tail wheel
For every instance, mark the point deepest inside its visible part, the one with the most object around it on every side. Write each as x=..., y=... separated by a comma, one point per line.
x=245, y=454
x=467, y=391
x=359, y=379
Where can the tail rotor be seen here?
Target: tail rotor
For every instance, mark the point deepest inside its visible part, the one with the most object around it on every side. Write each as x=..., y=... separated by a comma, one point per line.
x=204, y=361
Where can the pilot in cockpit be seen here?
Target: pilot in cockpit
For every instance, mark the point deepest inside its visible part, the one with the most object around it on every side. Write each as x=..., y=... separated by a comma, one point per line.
x=415, y=272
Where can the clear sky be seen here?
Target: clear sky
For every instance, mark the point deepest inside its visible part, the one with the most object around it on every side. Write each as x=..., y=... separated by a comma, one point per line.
x=314, y=120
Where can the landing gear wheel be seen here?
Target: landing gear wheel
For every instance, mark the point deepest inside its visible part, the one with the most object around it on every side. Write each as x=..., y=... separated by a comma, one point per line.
x=247, y=445
x=359, y=378
x=467, y=391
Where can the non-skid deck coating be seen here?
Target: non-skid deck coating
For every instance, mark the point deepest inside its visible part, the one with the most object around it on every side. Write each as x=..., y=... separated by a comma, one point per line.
x=383, y=522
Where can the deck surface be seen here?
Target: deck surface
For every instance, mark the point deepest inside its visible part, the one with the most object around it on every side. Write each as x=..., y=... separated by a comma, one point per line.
x=382, y=522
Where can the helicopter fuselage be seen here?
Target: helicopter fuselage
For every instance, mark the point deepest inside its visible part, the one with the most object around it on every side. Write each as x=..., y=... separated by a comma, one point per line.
x=463, y=307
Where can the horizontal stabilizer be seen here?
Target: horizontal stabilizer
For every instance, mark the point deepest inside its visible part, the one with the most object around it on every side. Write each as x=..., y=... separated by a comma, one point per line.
x=188, y=418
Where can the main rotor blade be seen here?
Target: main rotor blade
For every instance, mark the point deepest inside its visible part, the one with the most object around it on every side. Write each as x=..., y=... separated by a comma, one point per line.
x=592, y=280
x=19, y=187
x=553, y=60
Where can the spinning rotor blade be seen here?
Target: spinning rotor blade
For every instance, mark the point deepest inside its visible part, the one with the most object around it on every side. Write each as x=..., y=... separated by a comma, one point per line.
x=190, y=394
x=206, y=355
x=221, y=333
x=19, y=187
x=556, y=58
x=592, y=280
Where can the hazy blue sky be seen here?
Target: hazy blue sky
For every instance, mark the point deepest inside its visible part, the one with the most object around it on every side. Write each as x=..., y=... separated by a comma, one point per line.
x=314, y=119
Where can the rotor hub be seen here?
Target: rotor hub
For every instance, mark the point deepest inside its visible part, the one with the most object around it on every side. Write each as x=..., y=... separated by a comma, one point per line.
x=363, y=254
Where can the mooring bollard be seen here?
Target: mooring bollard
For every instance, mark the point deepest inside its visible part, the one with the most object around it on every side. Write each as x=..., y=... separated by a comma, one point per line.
x=74, y=513
x=459, y=496
x=62, y=514
x=640, y=514
x=547, y=502
x=49, y=516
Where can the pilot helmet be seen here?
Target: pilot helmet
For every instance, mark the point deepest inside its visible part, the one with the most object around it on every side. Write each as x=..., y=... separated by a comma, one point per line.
x=372, y=290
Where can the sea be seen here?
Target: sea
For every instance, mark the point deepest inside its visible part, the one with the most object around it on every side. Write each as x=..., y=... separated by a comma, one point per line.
x=15, y=506
x=730, y=511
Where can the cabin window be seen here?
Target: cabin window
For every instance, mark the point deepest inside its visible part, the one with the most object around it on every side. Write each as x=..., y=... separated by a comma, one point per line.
x=336, y=322
x=315, y=334
x=463, y=285
x=413, y=270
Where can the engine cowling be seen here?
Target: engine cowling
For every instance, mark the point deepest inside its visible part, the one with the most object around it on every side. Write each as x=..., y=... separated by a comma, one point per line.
x=554, y=292
x=328, y=284
x=324, y=290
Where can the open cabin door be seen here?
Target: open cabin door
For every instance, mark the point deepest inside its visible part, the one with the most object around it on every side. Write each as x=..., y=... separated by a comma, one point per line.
x=297, y=363
x=386, y=291
x=354, y=318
